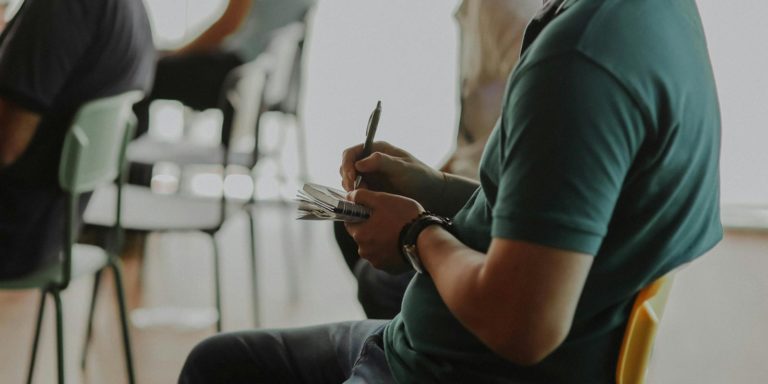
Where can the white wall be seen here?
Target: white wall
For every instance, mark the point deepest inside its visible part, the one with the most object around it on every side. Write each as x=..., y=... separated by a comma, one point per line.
x=736, y=32
x=399, y=51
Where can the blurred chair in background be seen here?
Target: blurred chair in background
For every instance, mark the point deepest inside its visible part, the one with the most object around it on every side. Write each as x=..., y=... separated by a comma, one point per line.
x=147, y=211
x=281, y=64
x=271, y=83
x=194, y=73
x=93, y=155
x=491, y=33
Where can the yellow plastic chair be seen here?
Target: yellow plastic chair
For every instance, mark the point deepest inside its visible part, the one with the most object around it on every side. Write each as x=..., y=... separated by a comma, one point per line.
x=644, y=320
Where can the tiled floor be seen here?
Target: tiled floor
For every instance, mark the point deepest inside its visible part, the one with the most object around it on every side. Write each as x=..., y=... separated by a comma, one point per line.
x=714, y=330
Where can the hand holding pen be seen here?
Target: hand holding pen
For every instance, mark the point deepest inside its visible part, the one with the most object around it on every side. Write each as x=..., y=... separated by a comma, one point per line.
x=370, y=133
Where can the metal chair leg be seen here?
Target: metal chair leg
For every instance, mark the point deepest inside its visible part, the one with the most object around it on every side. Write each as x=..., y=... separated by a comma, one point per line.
x=254, y=268
x=120, y=290
x=291, y=258
x=59, y=334
x=36, y=340
x=89, y=327
x=217, y=280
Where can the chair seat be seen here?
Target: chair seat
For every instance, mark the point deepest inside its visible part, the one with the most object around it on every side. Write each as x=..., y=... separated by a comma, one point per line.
x=148, y=150
x=86, y=260
x=148, y=211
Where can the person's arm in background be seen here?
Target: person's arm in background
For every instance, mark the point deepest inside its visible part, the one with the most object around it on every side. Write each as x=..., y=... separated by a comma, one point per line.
x=391, y=169
x=491, y=33
x=227, y=24
x=3, y=8
x=17, y=127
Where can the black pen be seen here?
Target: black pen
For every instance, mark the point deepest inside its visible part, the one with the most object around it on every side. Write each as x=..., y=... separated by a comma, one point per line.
x=370, y=132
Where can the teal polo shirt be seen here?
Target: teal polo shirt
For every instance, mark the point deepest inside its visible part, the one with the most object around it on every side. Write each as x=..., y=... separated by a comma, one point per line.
x=608, y=145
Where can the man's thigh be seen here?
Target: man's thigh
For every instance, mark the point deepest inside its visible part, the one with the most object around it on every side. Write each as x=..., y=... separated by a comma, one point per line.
x=332, y=353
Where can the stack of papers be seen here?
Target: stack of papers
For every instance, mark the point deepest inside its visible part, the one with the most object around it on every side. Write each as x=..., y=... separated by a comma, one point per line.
x=318, y=202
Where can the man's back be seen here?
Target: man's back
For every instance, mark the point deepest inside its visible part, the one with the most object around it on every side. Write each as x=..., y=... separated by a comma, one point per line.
x=54, y=56
x=608, y=145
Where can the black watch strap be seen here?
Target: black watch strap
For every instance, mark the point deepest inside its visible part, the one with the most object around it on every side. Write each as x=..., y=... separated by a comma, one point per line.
x=410, y=234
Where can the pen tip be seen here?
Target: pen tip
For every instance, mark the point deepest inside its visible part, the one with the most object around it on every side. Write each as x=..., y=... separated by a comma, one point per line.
x=378, y=104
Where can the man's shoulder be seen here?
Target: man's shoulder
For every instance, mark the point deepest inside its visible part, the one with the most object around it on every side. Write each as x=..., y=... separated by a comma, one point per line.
x=623, y=34
x=631, y=41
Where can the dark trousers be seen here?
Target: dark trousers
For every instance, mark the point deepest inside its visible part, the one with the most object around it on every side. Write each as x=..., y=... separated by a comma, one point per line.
x=379, y=292
x=350, y=352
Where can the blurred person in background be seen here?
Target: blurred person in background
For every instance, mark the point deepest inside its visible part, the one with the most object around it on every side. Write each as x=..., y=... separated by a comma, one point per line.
x=491, y=32
x=54, y=57
x=195, y=73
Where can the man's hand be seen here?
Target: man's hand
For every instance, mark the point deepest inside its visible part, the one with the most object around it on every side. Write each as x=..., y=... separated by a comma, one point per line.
x=378, y=237
x=390, y=169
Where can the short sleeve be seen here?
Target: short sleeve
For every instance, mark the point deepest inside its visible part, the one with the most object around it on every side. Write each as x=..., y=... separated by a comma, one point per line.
x=570, y=132
x=42, y=45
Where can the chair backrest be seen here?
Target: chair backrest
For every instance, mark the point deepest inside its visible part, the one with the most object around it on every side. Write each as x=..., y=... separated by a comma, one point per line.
x=261, y=84
x=92, y=147
x=286, y=51
x=640, y=334
x=243, y=91
x=92, y=155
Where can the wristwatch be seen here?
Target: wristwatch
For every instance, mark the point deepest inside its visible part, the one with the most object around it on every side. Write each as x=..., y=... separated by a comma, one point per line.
x=410, y=233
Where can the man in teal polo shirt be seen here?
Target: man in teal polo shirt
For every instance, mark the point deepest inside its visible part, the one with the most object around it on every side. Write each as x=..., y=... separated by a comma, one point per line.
x=601, y=176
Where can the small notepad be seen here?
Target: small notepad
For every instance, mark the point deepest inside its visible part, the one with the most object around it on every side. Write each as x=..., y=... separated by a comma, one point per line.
x=318, y=202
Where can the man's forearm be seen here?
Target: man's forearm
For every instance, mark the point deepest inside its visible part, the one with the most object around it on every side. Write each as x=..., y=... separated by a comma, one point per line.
x=452, y=193
x=17, y=127
x=457, y=272
x=519, y=299
x=226, y=25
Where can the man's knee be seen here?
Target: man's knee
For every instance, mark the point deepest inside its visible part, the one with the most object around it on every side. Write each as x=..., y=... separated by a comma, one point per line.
x=238, y=357
x=210, y=358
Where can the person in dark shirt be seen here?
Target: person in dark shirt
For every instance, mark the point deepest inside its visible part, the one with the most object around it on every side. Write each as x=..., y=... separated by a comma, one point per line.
x=55, y=56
